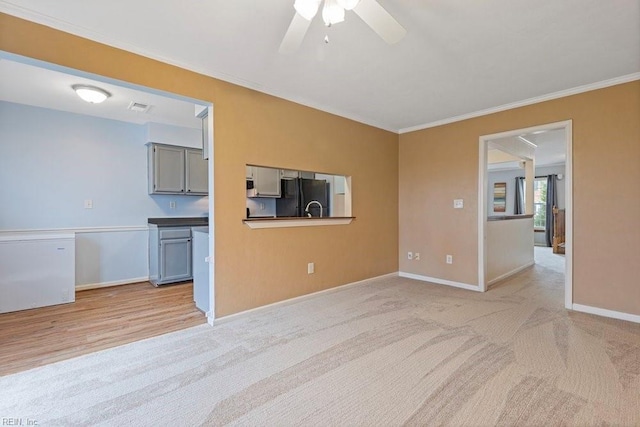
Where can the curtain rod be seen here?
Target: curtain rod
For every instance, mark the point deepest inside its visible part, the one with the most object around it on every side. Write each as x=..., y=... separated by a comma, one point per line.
x=539, y=176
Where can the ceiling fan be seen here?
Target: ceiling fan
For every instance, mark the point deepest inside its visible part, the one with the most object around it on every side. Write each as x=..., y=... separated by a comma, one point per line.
x=333, y=11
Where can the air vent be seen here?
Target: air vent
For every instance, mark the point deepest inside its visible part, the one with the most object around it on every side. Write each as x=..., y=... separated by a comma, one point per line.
x=138, y=107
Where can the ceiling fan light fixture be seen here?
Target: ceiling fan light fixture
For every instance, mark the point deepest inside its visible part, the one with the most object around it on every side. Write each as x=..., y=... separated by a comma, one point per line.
x=332, y=12
x=91, y=94
x=348, y=4
x=307, y=8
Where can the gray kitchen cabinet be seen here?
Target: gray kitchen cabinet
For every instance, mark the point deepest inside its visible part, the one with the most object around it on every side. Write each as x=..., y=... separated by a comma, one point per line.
x=166, y=169
x=197, y=172
x=206, y=128
x=175, y=260
x=266, y=182
x=170, y=254
x=177, y=170
x=289, y=174
x=251, y=170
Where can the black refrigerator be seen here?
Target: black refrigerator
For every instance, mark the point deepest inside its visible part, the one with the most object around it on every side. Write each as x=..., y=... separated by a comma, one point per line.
x=297, y=193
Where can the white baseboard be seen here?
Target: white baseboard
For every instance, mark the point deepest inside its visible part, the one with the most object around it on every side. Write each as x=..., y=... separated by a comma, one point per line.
x=289, y=301
x=606, y=313
x=440, y=281
x=510, y=273
x=88, y=286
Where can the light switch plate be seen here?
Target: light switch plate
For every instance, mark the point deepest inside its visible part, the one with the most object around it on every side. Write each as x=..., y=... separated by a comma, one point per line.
x=458, y=203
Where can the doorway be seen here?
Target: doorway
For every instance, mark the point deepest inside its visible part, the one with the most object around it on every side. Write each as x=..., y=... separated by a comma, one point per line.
x=114, y=248
x=483, y=195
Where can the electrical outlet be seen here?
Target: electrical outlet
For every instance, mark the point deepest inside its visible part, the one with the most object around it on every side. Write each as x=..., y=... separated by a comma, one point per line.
x=261, y=206
x=311, y=268
x=172, y=204
x=409, y=255
x=449, y=259
x=417, y=256
x=88, y=204
x=458, y=203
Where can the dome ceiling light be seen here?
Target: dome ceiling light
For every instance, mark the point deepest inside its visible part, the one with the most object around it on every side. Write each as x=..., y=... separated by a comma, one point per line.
x=91, y=94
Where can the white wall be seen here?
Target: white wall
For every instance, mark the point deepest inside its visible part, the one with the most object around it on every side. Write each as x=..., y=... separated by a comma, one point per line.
x=261, y=206
x=509, y=177
x=52, y=161
x=173, y=135
x=509, y=247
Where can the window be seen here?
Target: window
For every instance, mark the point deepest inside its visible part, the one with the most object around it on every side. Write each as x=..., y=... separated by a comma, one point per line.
x=286, y=193
x=540, y=203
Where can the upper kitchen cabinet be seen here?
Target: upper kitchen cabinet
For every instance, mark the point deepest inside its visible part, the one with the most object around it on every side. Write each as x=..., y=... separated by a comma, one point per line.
x=265, y=181
x=177, y=170
x=289, y=174
x=251, y=171
x=166, y=169
x=197, y=172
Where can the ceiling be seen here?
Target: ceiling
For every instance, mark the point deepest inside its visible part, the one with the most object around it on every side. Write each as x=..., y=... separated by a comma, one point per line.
x=550, y=150
x=41, y=87
x=459, y=58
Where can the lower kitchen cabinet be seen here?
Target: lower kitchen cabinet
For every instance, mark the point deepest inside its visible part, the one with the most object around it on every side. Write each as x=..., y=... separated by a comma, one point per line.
x=170, y=254
x=175, y=260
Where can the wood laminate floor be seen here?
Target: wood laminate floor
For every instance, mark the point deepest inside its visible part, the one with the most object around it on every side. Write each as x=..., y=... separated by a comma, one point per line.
x=99, y=319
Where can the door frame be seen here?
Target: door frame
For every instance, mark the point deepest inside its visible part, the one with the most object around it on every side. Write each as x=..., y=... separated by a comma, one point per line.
x=211, y=314
x=484, y=140
x=197, y=102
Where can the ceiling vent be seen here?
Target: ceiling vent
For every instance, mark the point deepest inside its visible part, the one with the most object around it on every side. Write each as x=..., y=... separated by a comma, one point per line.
x=138, y=107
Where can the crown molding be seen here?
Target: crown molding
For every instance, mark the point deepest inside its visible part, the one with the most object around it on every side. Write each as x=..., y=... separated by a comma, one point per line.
x=537, y=99
x=49, y=21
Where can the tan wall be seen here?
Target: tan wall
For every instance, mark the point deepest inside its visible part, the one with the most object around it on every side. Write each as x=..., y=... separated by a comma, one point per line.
x=441, y=163
x=257, y=267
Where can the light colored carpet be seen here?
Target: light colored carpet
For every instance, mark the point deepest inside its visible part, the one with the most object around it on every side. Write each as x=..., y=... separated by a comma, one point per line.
x=388, y=352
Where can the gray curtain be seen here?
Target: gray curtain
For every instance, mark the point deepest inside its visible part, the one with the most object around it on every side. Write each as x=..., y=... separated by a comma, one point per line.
x=552, y=200
x=518, y=206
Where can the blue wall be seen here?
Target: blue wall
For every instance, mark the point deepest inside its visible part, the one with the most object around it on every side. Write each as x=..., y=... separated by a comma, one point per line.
x=51, y=161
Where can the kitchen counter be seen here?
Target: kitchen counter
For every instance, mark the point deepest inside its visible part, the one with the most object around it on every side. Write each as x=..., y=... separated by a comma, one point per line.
x=296, y=221
x=296, y=218
x=508, y=217
x=170, y=248
x=179, y=222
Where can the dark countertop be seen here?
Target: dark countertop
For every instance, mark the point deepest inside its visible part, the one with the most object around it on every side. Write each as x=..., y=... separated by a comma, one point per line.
x=507, y=217
x=179, y=222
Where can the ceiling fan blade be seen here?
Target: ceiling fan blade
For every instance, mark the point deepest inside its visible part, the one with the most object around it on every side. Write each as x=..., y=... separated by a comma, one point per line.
x=380, y=21
x=295, y=34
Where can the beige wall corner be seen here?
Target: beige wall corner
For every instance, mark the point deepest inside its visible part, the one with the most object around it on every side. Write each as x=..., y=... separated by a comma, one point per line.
x=440, y=164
